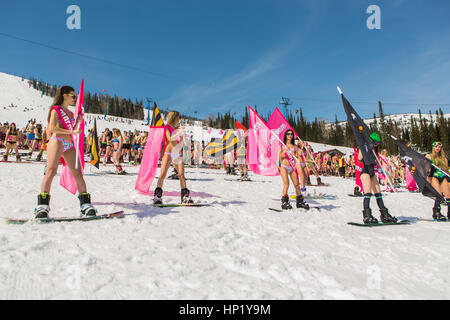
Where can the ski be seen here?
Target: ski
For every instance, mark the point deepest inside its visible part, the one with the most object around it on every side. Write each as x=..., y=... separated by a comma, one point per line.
x=118, y=214
x=380, y=224
x=181, y=205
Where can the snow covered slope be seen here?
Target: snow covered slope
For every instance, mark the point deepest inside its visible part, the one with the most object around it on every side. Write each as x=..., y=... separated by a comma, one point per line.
x=235, y=249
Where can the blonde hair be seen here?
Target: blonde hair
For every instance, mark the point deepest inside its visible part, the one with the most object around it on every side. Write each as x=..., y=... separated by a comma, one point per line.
x=173, y=118
x=116, y=133
x=439, y=159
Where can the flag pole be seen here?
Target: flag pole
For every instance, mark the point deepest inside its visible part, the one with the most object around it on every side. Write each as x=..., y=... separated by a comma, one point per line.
x=276, y=135
x=385, y=173
x=436, y=167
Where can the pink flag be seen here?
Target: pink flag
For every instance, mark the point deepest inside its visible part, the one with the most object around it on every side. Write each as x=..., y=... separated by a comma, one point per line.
x=67, y=180
x=358, y=168
x=279, y=124
x=150, y=159
x=262, y=151
x=410, y=183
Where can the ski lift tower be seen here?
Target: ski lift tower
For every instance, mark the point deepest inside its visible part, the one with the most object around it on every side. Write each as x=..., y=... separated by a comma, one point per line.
x=149, y=100
x=286, y=102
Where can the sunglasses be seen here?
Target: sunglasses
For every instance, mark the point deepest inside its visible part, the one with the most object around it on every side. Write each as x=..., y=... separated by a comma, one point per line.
x=436, y=144
x=289, y=134
x=72, y=95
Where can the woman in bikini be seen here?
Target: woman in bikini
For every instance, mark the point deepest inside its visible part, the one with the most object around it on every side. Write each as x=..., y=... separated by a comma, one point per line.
x=438, y=179
x=11, y=142
x=300, y=164
x=45, y=137
x=117, y=151
x=126, y=146
x=60, y=145
x=172, y=155
x=37, y=139
x=286, y=157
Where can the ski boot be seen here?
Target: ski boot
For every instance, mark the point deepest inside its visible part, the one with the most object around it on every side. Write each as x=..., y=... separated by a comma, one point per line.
x=285, y=205
x=86, y=208
x=18, y=159
x=246, y=177
x=119, y=170
x=437, y=214
x=39, y=157
x=308, y=182
x=356, y=192
x=319, y=182
x=386, y=217
x=43, y=208
x=5, y=157
x=301, y=202
x=368, y=218
x=185, y=199
x=157, y=196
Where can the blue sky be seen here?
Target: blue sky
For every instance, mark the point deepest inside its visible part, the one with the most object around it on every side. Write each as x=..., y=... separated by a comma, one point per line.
x=218, y=56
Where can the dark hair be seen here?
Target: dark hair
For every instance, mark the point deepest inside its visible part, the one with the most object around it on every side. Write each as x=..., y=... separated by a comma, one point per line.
x=285, y=136
x=59, y=97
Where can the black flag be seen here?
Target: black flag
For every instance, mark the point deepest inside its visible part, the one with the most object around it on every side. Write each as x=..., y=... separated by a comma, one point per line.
x=420, y=167
x=95, y=160
x=360, y=131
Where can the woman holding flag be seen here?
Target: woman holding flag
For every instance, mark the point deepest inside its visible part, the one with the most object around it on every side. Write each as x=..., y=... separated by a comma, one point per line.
x=287, y=169
x=62, y=124
x=173, y=136
x=370, y=184
x=439, y=180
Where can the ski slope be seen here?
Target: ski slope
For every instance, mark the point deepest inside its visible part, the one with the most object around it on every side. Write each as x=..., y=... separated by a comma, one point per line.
x=234, y=249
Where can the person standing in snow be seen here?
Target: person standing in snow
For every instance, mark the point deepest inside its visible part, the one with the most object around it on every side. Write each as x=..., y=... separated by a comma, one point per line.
x=439, y=180
x=61, y=146
x=286, y=156
x=172, y=155
x=370, y=184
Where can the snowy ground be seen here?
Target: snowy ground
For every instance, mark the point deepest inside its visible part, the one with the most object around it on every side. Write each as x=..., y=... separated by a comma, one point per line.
x=235, y=249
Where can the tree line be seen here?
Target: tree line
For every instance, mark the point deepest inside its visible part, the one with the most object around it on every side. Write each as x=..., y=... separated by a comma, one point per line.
x=420, y=133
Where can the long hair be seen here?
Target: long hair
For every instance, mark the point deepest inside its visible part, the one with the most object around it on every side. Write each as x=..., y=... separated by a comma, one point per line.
x=285, y=136
x=59, y=98
x=172, y=118
x=439, y=159
x=116, y=133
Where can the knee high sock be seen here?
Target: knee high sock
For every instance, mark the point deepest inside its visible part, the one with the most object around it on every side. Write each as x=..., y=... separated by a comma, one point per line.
x=437, y=205
x=366, y=202
x=379, y=200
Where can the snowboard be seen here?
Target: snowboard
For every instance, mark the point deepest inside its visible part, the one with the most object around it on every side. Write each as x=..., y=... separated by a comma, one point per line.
x=355, y=196
x=315, y=196
x=180, y=205
x=118, y=214
x=293, y=209
x=379, y=224
x=432, y=220
x=237, y=180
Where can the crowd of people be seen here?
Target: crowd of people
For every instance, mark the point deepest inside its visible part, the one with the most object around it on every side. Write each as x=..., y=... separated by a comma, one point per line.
x=297, y=161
